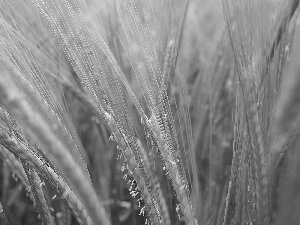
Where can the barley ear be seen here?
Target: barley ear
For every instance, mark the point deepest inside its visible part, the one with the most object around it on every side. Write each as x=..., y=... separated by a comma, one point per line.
x=34, y=159
x=37, y=190
x=41, y=132
x=155, y=186
x=15, y=165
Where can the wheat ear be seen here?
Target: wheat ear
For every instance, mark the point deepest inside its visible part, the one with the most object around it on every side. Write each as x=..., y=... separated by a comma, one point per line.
x=42, y=134
x=156, y=132
x=37, y=190
x=136, y=169
x=15, y=165
x=32, y=158
x=155, y=186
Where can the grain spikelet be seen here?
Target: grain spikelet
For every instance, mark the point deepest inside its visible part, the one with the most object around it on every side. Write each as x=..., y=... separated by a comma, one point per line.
x=32, y=158
x=37, y=190
x=254, y=56
x=40, y=132
x=14, y=164
x=155, y=186
x=20, y=52
x=136, y=169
